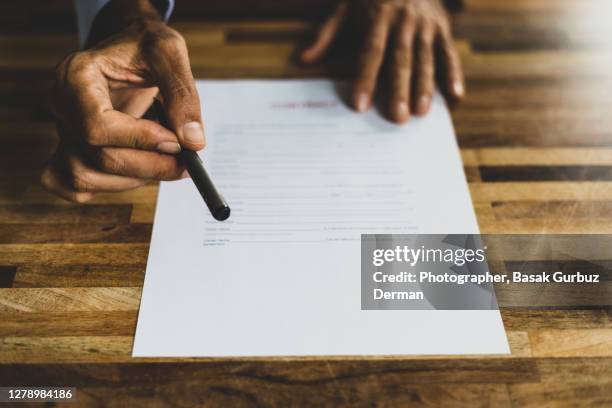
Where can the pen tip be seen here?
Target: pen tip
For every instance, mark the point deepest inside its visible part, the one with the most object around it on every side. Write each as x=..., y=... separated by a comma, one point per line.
x=222, y=213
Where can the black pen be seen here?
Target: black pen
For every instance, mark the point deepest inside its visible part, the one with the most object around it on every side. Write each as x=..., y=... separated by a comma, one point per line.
x=213, y=199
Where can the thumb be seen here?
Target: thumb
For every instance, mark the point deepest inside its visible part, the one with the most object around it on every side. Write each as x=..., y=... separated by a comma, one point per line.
x=326, y=34
x=177, y=88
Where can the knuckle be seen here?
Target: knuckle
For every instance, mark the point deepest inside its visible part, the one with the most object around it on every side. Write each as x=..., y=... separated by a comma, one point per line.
x=445, y=28
x=427, y=72
x=110, y=162
x=173, y=43
x=78, y=68
x=182, y=90
x=164, y=171
x=382, y=6
x=409, y=14
x=94, y=132
x=81, y=181
x=147, y=132
x=449, y=48
x=403, y=59
x=62, y=77
x=426, y=39
x=164, y=39
x=374, y=49
x=426, y=85
x=131, y=137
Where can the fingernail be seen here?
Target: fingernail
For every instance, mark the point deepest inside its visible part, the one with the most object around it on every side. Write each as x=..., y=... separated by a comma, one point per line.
x=169, y=147
x=458, y=88
x=401, y=111
x=193, y=133
x=423, y=105
x=363, y=102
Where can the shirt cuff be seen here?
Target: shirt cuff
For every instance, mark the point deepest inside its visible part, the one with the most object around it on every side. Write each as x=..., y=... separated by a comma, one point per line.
x=87, y=10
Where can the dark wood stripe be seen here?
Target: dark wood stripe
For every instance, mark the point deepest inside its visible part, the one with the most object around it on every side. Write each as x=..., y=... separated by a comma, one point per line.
x=472, y=174
x=566, y=382
x=546, y=173
x=65, y=214
x=61, y=255
x=540, y=319
x=74, y=233
x=504, y=137
x=246, y=36
x=100, y=323
x=43, y=276
x=7, y=276
x=265, y=375
x=552, y=209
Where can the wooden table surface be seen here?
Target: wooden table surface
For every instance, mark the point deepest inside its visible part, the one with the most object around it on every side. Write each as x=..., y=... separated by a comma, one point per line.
x=536, y=138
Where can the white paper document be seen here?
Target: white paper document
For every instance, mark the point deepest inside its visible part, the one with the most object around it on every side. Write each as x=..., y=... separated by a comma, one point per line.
x=304, y=176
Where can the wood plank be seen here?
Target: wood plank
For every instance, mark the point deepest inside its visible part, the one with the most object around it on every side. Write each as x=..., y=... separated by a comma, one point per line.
x=69, y=299
x=123, y=323
x=571, y=343
x=567, y=382
x=116, y=348
x=558, y=210
x=65, y=254
x=545, y=173
x=542, y=319
x=541, y=191
x=65, y=214
x=143, y=212
x=525, y=156
x=35, y=194
x=540, y=64
x=78, y=275
x=489, y=225
x=51, y=324
x=271, y=384
x=75, y=233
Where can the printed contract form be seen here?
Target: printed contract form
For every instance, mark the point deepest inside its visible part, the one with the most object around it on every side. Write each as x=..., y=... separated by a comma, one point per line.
x=304, y=176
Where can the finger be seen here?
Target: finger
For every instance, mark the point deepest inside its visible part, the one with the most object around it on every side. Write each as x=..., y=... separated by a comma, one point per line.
x=371, y=58
x=134, y=102
x=401, y=70
x=81, y=88
x=139, y=164
x=172, y=71
x=52, y=180
x=117, y=129
x=91, y=116
x=83, y=178
x=454, y=78
x=425, y=81
x=326, y=34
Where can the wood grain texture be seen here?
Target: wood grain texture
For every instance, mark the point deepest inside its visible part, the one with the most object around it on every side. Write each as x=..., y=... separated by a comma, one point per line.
x=535, y=133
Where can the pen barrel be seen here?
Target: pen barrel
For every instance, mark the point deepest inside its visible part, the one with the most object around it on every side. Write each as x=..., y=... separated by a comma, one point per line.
x=213, y=199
